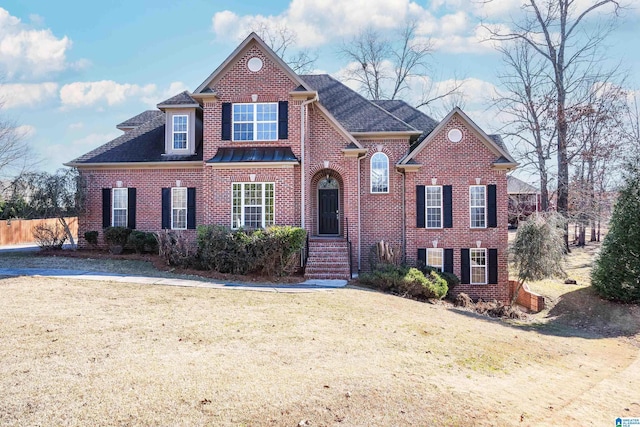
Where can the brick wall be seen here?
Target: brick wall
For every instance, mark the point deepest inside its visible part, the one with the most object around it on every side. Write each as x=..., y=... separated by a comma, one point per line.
x=459, y=164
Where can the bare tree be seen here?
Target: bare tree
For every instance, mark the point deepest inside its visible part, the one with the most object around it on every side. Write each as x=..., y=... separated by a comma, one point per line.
x=14, y=153
x=527, y=99
x=282, y=40
x=556, y=31
x=388, y=67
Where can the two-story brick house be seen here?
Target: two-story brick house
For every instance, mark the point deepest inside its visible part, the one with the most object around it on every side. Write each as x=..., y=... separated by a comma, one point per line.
x=255, y=145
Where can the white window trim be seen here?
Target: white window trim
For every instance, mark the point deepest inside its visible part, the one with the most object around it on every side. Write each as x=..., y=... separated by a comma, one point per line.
x=483, y=206
x=186, y=208
x=174, y=132
x=426, y=217
x=242, y=205
x=486, y=266
x=441, y=251
x=113, y=206
x=371, y=173
x=255, y=121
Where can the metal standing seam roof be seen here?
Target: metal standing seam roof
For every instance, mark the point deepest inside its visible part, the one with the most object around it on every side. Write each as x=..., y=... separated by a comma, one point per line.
x=253, y=154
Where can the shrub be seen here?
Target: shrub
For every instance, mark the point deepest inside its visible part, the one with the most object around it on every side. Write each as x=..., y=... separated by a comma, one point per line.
x=176, y=249
x=616, y=273
x=451, y=279
x=143, y=242
x=273, y=251
x=409, y=282
x=91, y=237
x=49, y=236
x=116, y=238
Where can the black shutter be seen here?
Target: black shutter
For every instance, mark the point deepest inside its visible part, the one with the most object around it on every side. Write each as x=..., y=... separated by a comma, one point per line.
x=191, y=208
x=493, y=266
x=448, y=260
x=166, y=208
x=465, y=270
x=420, y=220
x=226, y=121
x=447, y=206
x=492, y=215
x=106, y=207
x=131, y=208
x=422, y=257
x=283, y=119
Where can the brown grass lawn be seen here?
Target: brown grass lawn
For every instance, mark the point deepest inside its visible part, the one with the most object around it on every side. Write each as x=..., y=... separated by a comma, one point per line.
x=79, y=353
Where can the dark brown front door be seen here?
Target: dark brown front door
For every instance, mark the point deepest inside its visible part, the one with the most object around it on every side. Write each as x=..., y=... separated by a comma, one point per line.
x=328, y=212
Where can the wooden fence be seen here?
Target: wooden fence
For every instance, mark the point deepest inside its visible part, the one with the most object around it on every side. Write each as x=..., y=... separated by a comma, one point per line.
x=16, y=231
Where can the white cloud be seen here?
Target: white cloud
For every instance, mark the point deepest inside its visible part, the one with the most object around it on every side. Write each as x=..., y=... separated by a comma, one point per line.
x=26, y=52
x=317, y=21
x=25, y=131
x=108, y=93
x=57, y=154
x=75, y=126
x=85, y=94
x=27, y=94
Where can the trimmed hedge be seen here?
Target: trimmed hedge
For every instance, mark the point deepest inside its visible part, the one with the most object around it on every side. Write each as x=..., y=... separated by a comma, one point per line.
x=451, y=279
x=405, y=281
x=143, y=242
x=272, y=252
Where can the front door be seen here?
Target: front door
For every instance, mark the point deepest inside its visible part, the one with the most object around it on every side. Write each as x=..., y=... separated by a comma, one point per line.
x=328, y=211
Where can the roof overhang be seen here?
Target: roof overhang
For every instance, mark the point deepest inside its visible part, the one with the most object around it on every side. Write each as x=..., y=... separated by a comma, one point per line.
x=176, y=106
x=385, y=135
x=303, y=94
x=505, y=166
x=410, y=167
x=354, y=152
x=252, y=165
x=192, y=164
x=205, y=96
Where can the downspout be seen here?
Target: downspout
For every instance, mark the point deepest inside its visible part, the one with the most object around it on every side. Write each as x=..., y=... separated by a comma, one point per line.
x=303, y=178
x=404, y=219
x=359, y=219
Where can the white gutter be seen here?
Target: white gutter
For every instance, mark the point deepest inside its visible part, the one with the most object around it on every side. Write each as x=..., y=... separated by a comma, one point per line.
x=303, y=178
x=404, y=218
x=359, y=218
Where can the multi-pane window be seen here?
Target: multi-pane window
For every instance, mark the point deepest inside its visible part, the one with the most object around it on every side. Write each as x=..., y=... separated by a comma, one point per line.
x=180, y=128
x=255, y=122
x=120, y=205
x=379, y=173
x=477, y=206
x=253, y=205
x=478, y=266
x=179, y=208
x=433, y=206
x=435, y=258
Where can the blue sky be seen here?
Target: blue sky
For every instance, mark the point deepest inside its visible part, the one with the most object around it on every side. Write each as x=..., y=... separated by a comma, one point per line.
x=71, y=70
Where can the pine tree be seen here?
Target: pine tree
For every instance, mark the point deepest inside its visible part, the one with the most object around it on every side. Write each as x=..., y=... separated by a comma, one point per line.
x=616, y=273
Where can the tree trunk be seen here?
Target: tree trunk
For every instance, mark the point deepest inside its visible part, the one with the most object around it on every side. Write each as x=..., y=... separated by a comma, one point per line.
x=67, y=230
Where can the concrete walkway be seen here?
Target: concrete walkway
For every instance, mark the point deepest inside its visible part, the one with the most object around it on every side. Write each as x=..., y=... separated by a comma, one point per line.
x=307, y=286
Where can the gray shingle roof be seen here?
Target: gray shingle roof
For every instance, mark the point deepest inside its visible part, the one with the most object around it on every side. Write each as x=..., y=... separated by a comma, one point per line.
x=253, y=154
x=498, y=140
x=145, y=143
x=354, y=112
x=183, y=98
x=408, y=114
x=517, y=186
x=141, y=118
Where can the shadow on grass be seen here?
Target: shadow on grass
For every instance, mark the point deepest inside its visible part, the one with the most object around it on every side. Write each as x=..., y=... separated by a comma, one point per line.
x=580, y=313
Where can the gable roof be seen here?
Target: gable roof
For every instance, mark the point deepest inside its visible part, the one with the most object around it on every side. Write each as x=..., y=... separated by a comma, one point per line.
x=503, y=159
x=408, y=114
x=180, y=100
x=356, y=113
x=517, y=186
x=253, y=37
x=141, y=118
x=144, y=143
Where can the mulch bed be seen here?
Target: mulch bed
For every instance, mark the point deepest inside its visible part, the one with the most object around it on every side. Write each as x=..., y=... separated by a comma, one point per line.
x=160, y=265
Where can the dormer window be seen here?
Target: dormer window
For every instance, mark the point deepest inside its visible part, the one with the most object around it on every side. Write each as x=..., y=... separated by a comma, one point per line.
x=180, y=131
x=255, y=122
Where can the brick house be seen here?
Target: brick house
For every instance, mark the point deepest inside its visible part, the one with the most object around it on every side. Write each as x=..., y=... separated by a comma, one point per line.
x=255, y=145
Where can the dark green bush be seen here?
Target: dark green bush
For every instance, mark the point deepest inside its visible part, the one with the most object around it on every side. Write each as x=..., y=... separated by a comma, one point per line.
x=273, y=251
x=404, y=281
x=143, y=242
x=116, y=238
x=451, y=279
x=91, y=237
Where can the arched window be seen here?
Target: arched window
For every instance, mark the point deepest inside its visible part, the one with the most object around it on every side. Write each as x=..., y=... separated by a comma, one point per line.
x=379, y=173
